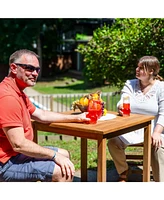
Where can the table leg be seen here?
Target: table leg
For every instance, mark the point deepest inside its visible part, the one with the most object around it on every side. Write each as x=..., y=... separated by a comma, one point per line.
x=83, y=159
x=101, y=171
x=147, y=154
x=35, y=132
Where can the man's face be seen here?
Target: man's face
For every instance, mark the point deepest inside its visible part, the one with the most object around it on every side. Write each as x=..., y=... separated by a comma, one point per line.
x=26, y=70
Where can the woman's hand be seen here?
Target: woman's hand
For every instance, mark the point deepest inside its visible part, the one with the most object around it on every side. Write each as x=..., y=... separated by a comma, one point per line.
x=156, y=140
x=156, y=136
x=120, y=107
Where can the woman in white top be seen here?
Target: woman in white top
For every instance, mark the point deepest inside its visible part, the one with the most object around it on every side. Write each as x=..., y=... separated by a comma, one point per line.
x=146, y=97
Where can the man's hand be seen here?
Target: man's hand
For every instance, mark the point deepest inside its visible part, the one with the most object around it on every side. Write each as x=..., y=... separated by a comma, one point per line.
x=82, y=117
x=67, y=167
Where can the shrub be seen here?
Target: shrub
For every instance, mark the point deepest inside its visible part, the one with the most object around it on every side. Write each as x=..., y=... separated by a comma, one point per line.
x=113, y=52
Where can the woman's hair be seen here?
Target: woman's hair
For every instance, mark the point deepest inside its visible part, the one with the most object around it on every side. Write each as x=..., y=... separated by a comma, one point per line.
x=17, y=54
x=151, y=63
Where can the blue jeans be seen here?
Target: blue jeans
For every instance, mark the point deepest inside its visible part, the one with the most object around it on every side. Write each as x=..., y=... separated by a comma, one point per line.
x=22, y=168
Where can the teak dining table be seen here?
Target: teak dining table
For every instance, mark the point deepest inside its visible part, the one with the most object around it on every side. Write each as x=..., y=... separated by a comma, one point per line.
x=102, y=131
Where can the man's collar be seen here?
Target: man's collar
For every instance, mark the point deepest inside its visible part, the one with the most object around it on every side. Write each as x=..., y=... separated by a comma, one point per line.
x=10, y=81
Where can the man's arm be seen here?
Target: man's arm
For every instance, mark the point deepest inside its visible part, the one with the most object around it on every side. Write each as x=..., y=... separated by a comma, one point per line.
x=45, y=116
x=27, y=147
x=20, y=144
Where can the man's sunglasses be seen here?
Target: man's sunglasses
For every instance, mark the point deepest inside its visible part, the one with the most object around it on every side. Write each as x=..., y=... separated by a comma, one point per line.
x=29, y=68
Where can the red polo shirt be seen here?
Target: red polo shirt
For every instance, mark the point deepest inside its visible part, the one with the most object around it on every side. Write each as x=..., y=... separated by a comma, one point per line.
x=15, y=110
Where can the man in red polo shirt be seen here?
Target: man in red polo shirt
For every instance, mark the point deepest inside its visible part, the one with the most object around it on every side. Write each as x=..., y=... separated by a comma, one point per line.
x=20, y=158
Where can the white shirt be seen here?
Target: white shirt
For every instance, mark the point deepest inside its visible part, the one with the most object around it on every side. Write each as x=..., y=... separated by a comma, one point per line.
x=151, y=103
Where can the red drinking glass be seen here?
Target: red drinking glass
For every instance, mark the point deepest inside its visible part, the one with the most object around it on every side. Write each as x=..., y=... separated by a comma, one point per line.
x=94, y=110
x=126, y=106
x=126, y=109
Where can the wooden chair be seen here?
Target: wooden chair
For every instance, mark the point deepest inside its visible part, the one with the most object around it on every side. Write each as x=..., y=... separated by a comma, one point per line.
x=136, y=159
x=132, y=156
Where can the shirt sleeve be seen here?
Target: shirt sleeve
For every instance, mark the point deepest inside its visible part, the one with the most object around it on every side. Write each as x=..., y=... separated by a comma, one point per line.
x=127, y=90
x=11, y=112
x=160, y=119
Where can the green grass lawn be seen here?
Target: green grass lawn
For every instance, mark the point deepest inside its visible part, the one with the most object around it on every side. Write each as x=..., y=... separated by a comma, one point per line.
x=73, y=146
x=67, y=86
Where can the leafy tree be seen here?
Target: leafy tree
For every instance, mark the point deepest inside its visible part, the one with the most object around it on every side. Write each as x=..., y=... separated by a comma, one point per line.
x=16, y=34
x=113, y=52
x=39, y=35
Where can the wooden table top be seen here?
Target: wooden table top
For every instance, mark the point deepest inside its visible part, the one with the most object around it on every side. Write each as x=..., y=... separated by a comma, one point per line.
x=101, y=129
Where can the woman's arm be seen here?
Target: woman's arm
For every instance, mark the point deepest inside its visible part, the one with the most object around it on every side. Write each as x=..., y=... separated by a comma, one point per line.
x=126, y=91
x=159, y=128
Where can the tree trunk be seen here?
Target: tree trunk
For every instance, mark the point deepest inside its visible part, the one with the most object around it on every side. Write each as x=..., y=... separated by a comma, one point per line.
x=39, y=49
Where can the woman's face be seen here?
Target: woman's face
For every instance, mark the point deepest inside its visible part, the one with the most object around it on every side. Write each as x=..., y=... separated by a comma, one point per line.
x=142, y=73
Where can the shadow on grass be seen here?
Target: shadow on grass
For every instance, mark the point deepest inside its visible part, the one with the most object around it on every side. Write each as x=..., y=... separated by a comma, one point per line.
x=75, y=87
x=112, y=175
